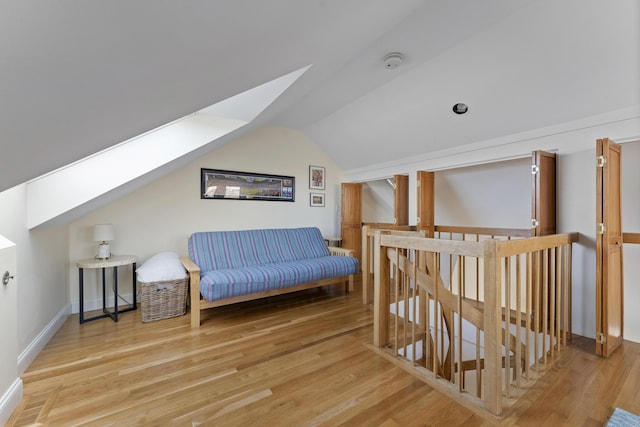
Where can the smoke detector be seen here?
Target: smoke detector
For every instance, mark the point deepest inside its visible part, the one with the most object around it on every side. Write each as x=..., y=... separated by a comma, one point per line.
x=393, y=60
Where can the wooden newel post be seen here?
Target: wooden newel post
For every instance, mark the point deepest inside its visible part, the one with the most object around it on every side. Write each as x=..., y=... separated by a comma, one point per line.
x=380, y=293
x=421, y=262
x=492, y=379
x=366, y=266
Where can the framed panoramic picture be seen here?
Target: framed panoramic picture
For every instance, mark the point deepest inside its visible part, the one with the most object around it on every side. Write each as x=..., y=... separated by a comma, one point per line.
x=231, y=185
x=316, y=199
x=316, y=177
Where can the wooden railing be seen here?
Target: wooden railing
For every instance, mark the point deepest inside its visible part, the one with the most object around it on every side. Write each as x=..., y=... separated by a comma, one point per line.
x=477, y=318
x=631, y=238
x=479, y=233
x=367, y=252
x=440, y=231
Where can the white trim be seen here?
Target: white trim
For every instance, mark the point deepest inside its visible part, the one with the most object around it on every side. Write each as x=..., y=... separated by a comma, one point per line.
x=10, y=400
x=120, y=165
x=635, y=138
x=29, y=354
x=620, y=125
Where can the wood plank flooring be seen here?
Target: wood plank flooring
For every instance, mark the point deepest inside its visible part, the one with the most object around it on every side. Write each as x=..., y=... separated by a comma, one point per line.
x=293, y=360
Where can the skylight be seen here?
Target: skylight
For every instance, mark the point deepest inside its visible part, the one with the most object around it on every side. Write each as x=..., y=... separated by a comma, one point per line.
x=59, y=191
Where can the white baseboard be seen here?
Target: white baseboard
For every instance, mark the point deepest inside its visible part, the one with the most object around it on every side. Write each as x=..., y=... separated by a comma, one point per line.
x=10, y=400
x=96, y=303
x=34, y=348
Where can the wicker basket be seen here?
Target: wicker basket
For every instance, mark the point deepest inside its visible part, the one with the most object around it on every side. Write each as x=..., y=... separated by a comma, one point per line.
x=162, y=300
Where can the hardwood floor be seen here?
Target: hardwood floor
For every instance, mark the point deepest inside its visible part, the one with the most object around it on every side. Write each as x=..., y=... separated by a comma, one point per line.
x=291, y=360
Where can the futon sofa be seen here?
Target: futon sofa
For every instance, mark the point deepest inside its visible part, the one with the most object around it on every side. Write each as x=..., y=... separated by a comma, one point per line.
x=227, y=267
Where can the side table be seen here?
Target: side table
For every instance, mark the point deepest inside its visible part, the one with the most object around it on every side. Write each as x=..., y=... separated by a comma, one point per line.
x=114, y=262
x=333, y=241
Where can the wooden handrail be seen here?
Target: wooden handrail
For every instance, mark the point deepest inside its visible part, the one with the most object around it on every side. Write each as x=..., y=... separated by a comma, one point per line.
x=454, y=247
x=389, y=226
x=484, y=231
x=395, y=232
x=532, y=244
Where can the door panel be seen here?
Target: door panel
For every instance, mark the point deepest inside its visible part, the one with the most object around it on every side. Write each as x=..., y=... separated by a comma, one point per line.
x=426, y=202
x=401, y=200
x=609, y=260
x=543, y=214
x=351, y=217
x=8, y=319
x=543, y=196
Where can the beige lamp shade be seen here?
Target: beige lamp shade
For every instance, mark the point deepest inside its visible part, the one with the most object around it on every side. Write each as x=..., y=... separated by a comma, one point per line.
x=103, y=233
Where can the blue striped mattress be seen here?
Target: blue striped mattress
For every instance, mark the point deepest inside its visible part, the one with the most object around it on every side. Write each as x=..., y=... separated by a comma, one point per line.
x=235, y=263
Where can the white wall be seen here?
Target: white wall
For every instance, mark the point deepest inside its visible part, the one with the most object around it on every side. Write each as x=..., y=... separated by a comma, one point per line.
x=576, y=207
x=377, y=202
x=42, y=255
x=631, y=224
x=10, y=384
x=490, y=195
x=161, y=216
x=41, y=281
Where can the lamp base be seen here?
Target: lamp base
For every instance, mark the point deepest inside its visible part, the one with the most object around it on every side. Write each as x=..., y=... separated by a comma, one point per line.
x=104, y=251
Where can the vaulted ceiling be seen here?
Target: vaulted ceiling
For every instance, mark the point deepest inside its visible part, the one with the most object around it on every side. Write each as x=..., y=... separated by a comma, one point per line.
x=80, y=76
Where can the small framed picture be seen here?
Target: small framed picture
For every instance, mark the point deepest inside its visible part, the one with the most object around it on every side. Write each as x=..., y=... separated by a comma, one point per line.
x=316, y=177
x=316, y=199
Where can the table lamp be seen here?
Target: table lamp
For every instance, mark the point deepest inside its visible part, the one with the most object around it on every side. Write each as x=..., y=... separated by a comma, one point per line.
x=103, y=233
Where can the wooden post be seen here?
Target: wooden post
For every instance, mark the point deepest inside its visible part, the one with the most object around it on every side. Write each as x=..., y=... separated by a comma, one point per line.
x=380, y=293
x=366, y=265
x=401, y=200
x=421, y=262
x=492, y=380
x=426, y=202
x=194, y=285
x=351, y=217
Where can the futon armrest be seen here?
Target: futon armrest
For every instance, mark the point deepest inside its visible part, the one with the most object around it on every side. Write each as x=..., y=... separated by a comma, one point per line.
x=194, y=289
x=335, y=251
x=189, y=265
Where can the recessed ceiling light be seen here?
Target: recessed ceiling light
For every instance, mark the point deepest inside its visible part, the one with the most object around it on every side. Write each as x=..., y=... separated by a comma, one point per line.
x=460, y=108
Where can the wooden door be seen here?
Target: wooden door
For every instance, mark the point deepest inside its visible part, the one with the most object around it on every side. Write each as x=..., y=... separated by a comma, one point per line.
x=351, y=217
x=609, y=267
x=426, y=202
x=543, y=194
x=543, y=218
x=401, y=200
